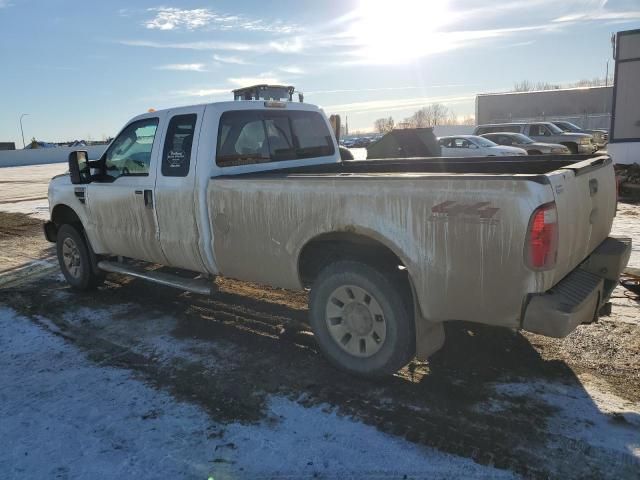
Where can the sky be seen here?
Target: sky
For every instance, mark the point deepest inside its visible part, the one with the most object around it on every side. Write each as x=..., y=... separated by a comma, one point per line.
x=81, y=69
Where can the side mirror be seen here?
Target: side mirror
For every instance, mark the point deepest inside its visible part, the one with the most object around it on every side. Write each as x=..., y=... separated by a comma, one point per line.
x=79, y=167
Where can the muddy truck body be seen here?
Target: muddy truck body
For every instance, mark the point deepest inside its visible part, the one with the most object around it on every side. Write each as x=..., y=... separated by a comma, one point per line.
x=390, y=249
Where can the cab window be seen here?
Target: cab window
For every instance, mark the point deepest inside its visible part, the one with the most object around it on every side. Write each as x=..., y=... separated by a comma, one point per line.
x=258, y=136
x=130, y=152
x=539, y=130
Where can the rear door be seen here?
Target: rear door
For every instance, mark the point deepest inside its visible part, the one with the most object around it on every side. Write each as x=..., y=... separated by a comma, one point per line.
x=585, y=196
x=176, y=196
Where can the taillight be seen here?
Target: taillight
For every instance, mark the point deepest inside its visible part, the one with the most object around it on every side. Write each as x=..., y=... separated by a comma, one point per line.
x=542, y=238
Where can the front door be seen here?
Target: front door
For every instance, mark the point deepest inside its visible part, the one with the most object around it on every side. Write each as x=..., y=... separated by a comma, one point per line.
x=122, y=200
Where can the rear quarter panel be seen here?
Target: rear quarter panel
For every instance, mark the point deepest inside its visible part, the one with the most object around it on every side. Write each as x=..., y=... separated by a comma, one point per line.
x=460, y=238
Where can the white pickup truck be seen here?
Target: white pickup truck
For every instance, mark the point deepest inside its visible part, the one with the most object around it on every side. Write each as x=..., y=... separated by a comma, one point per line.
x=390, y=249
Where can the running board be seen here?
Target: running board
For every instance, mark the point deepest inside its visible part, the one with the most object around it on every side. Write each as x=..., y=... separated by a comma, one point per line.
x=195, y=285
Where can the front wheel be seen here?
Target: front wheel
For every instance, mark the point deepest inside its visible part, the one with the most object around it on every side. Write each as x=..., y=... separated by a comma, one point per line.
x=362, y=319
x=74, y=259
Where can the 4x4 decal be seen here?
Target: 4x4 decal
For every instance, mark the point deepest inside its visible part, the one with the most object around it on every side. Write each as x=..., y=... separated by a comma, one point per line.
x=480, y=212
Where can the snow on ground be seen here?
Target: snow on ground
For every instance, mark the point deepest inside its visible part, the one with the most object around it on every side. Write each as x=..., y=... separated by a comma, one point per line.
x=62, y=416
x=586, y=413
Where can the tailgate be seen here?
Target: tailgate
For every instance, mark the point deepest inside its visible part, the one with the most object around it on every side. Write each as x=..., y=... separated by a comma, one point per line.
x=585, y=195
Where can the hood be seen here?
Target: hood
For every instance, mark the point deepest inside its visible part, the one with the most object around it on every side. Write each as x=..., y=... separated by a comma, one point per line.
x=506, y=149
x=543, y=145
x=576, y=134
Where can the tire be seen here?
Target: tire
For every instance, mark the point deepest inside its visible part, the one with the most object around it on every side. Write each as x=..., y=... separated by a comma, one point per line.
x=373, y=332
x=75, y=260
x=573, y=148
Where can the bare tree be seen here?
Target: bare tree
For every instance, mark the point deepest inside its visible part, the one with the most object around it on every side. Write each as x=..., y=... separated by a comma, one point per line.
x=528, y=86
x=523, y=86
x=468, y=120
x=384, y=125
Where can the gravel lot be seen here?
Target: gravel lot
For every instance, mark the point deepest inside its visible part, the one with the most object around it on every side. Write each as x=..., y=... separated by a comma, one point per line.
x=141, y=381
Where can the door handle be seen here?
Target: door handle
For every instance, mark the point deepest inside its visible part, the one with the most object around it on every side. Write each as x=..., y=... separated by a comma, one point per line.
x=148, y=198
x=138, y=192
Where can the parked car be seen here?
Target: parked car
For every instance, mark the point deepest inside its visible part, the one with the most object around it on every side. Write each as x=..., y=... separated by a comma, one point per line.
x=544, y=132
x=390, y=249
x=475, y=146
x=522, y=141
x=600, y=137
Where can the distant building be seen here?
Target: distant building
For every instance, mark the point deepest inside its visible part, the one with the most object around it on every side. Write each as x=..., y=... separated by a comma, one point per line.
x=588, y=107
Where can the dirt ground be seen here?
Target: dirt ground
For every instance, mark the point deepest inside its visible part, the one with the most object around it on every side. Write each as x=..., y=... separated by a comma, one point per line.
x=530, y=405
x=487, y=395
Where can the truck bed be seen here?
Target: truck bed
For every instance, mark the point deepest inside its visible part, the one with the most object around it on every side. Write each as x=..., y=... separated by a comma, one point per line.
x=535, y=167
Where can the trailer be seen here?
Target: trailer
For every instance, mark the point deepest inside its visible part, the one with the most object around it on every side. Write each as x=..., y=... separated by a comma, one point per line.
x=624, y=137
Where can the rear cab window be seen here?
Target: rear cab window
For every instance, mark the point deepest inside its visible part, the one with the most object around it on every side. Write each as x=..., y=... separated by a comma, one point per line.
x=176, y=156
x=259, y=136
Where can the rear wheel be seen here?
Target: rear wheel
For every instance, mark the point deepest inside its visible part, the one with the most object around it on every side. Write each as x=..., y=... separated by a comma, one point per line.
x=362, y=319
x=74, y=259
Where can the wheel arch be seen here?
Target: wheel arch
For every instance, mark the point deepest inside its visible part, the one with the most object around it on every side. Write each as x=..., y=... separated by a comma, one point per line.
x=348, y=244
x=378, y=251
x=573, y=146
x=60, y=215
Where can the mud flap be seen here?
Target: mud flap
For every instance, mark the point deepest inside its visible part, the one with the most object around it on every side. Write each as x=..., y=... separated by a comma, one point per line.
x=429, y=338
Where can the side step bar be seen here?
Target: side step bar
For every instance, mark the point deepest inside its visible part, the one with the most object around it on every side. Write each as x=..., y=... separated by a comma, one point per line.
x=195, y=285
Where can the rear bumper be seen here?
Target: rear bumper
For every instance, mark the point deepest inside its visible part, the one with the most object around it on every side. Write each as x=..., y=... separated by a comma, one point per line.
x=577, y=298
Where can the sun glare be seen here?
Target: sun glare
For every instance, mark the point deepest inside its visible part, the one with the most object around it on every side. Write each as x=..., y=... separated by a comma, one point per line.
x=399, y=31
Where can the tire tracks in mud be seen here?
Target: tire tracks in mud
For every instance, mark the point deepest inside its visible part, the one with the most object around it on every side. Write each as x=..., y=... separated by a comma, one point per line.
x=440, y=405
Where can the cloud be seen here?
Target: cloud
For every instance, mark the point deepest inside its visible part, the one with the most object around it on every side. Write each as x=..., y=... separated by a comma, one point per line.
x=387, y=89
x=286, y=46
x=382, y=33
x=232, y=60
x=396, y=104
x=226, y=46
x=203, y=92
x=293, y=45
x=170, y=18
x=233, y=83
x=247, y=81
x=599, y=15
x=292, y=69
x=191, y=67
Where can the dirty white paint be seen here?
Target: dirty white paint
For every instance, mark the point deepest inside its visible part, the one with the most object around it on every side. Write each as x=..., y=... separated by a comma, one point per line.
x=449, y=258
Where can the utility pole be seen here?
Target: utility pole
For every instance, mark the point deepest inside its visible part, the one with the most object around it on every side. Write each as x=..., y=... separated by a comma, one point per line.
x=606, y=76
x=22, y=131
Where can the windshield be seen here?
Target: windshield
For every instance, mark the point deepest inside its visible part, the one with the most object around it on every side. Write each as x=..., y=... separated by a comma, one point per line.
x=554, y=128
x=568, y=126
x=521, y=139
x=483, y=142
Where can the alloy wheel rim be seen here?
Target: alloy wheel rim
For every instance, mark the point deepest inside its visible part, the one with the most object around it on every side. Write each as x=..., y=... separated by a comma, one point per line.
x=71, y=257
